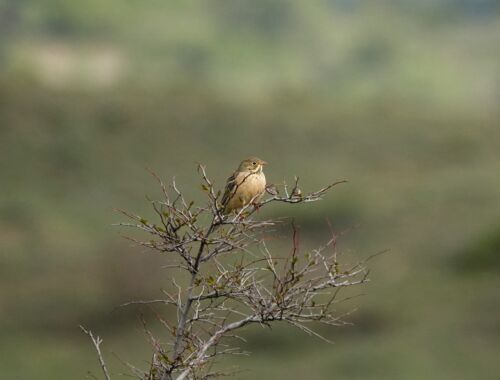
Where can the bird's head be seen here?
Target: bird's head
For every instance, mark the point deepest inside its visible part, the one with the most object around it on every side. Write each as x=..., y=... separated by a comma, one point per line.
x=252, y=164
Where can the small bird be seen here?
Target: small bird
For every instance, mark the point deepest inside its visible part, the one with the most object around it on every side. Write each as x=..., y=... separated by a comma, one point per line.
x=247, y=184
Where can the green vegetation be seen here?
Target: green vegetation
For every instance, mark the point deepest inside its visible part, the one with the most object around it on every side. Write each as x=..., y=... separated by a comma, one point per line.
x=482, y=254
x=399, y=98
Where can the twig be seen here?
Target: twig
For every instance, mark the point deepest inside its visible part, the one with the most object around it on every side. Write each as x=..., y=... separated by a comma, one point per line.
x=96, y=340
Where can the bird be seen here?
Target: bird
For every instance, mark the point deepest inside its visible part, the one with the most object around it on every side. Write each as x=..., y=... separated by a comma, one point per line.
x=247, y=184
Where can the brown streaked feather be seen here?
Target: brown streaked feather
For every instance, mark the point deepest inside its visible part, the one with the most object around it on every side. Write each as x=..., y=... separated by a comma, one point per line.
x=229, y=190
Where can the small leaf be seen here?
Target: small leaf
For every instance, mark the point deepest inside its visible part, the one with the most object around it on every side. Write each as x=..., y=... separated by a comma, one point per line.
x=158, y=228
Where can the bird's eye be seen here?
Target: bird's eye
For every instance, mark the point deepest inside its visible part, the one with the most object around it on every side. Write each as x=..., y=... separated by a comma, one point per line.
x=254, y=163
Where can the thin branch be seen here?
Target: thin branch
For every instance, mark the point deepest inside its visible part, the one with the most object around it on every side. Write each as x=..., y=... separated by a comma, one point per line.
x=96, y=340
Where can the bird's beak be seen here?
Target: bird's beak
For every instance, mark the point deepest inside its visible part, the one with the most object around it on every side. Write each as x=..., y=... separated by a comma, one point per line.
x=262, y=162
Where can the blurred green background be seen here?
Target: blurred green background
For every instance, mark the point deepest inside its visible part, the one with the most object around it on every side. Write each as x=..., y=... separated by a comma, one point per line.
x=400, y=97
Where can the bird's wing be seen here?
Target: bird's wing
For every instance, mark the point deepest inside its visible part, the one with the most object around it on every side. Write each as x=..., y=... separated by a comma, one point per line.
x=229, y=190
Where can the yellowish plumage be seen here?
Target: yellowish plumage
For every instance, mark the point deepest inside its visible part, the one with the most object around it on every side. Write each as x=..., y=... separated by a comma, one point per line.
x=247, y=184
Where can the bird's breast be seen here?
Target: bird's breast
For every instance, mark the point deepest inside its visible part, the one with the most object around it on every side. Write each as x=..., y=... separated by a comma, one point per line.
x=252, y=185
x=257, y=182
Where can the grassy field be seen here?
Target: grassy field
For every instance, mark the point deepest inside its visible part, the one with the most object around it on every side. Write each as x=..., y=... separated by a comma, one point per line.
x=400, y=100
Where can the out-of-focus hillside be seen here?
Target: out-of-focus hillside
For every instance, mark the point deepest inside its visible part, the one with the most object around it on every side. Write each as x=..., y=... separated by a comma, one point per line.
x=399, y=97
x=434, y=53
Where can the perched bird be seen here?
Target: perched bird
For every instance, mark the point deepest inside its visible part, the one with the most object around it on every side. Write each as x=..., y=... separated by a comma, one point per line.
x=247, y=184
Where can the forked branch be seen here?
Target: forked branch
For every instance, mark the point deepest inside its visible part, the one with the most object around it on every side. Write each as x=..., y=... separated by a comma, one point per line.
x=96, y=341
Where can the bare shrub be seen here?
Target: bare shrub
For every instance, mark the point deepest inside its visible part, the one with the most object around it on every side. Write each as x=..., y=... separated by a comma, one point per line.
x=231, y=278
